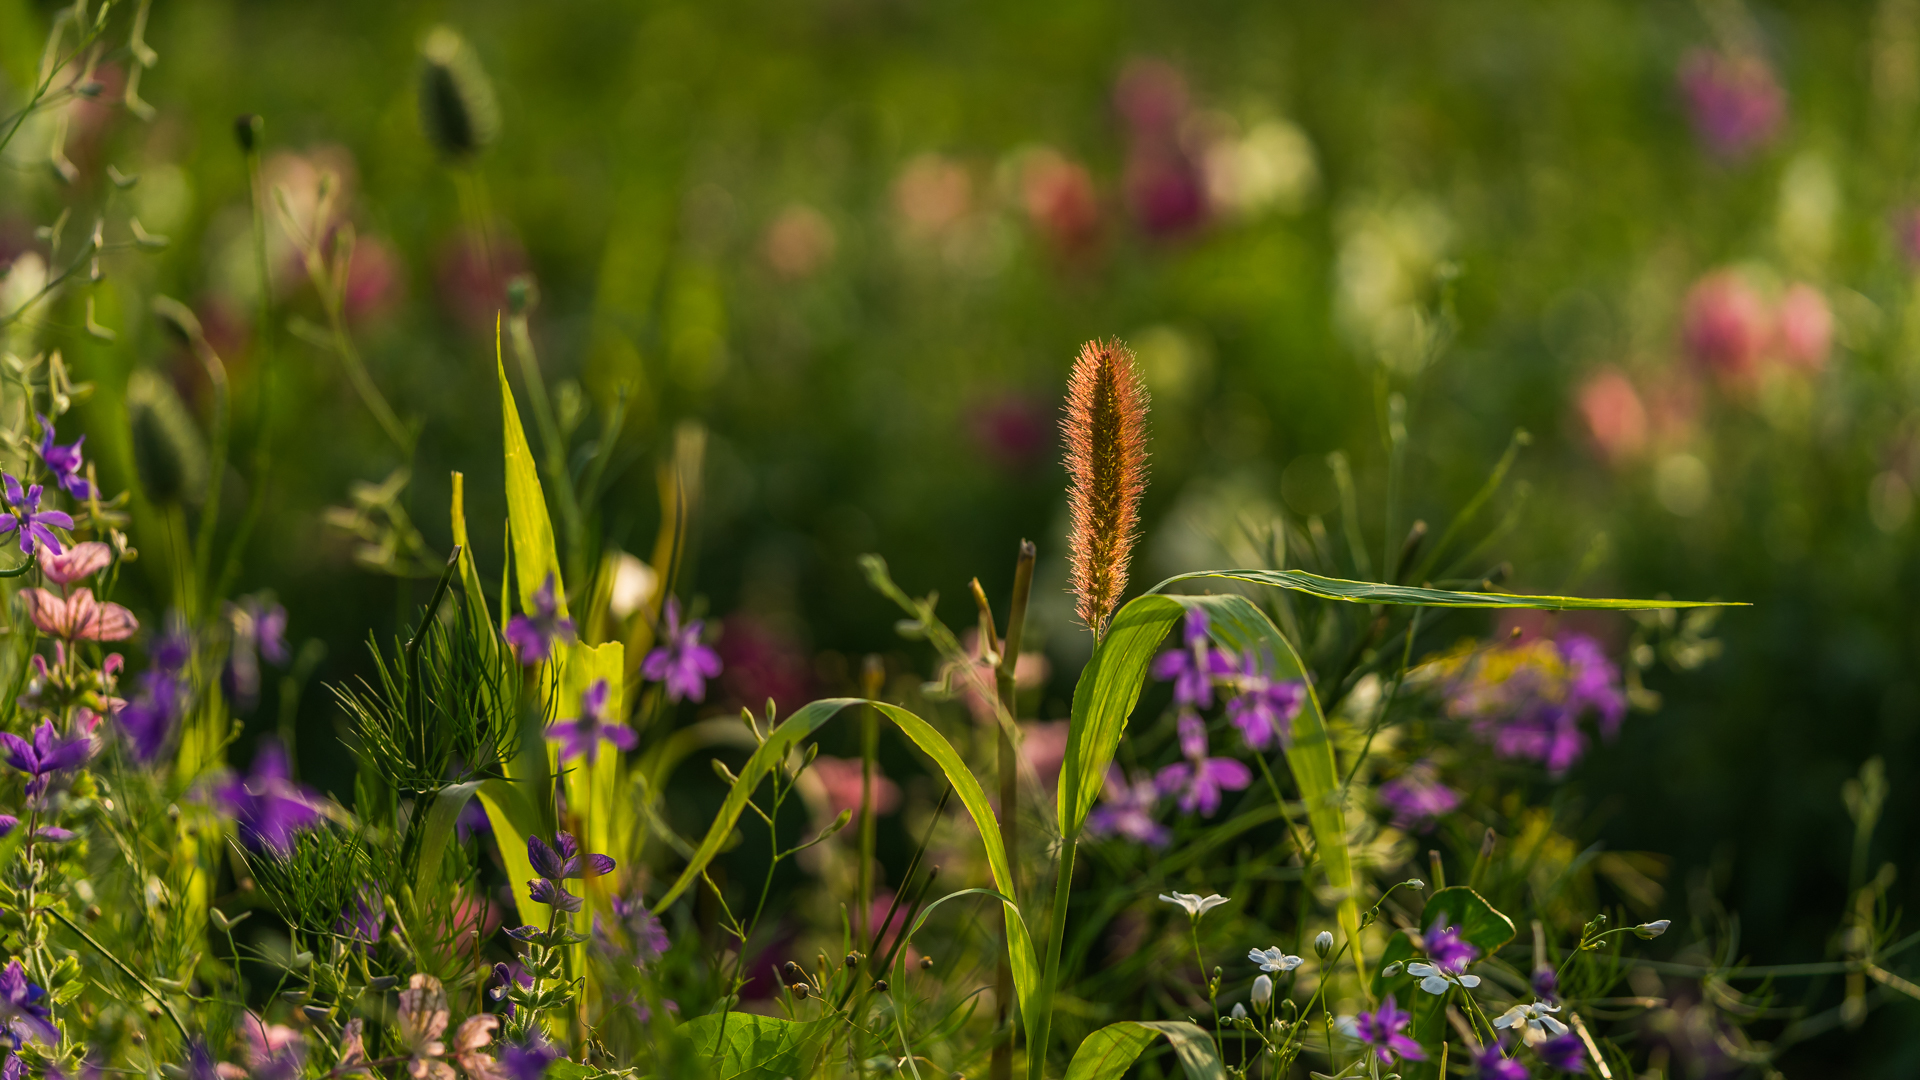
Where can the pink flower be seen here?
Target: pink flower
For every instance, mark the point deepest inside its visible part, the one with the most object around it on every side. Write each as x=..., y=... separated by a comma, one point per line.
x=79, y=616
x=374, y=280
x=1736, y=105
x=1043, y=747
x=1726, y=326
x=841, y=779
x=1615, y=417
x=932, y=194
x=1806, y=327
x=76, y=562
x=1060, y=202
x=799, y=242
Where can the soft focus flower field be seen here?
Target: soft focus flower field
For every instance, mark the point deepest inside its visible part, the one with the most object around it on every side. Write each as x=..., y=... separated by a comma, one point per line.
x=875, y=538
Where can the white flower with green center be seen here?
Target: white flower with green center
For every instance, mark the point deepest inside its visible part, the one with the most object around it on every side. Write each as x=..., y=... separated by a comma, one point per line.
x=1435, y=980
x=1535, y=1021
x=1195, y=905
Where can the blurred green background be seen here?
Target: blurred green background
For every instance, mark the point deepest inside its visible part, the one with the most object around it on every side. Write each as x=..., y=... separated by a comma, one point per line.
x=861, y=240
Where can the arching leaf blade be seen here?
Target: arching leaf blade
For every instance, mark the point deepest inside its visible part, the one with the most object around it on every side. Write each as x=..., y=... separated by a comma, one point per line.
x=1373, y=592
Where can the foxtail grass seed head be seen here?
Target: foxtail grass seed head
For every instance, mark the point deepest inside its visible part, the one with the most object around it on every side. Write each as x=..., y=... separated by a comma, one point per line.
x=167, y=452
x=1105, y=430
x=457, y=106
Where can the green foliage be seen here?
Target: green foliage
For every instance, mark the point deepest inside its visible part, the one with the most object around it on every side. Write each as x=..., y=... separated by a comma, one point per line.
x=750, y=1047
x=1479, y=923
x=1369, y=592
x=315, y=884
x=1108, y=1053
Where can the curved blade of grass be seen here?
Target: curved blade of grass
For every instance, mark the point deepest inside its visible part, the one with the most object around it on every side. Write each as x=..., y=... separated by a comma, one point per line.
x=1108, y=1053
x=514, y=818
x=442, y=816
x=790, y=732
x=476, y=599
x=1373, y=592
x=534, y=554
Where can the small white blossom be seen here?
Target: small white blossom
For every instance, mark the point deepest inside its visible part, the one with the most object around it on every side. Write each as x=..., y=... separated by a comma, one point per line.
x=1653, y=929
x=1263, y=991
x=1196, y=905
x=1535, y=1021
x=1323, y=944
x=1274, y=960
x=1239, y=1011
x=1435, y=981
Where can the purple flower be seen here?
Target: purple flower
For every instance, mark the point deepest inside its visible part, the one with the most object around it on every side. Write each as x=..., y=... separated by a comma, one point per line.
x=8, y=823
x=1493, y=1064
x=582, y=737
x=1564, y=1052
x=65, y=461
x=148, y=718
x=1264, y=709
x=1194, y=665
x=268, y=806
x=646, y=939
x=364, y=918
x=1126, y=810
x=531, y=635
x=259, y=629
x=1417, y=797
x=682, y=662
x=1593, y=682
x=1733, y=100
x=566, y=862
x=528, y=1060
x=505, y=977
x=1381, y=1031
x=24, y=514
x=23, y=1009
x=47, y=754
x=1449, y=951
x=1200, y=779
x=543, y=891
x=200, y=1062
x=1545, y=732
x=15, y=1068
x=1546, y=985
x=472, y=821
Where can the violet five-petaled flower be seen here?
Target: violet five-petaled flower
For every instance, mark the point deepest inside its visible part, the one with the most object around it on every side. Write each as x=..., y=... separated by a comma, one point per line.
x=682, y=662
x=1194, y=665
x=1264, y=709
x=646, y=938
x=531, y=634
x=1200, y=779
x=1126, y=810
x=555, y=866
x=1381, y=1030
x=528, y=1060
x=23, y=1008
x=582, y=736
x=48, y=753
x=25, y=515
x=1564, y=1052
x=1448, y=951
x=268, y=805
x=65, y=462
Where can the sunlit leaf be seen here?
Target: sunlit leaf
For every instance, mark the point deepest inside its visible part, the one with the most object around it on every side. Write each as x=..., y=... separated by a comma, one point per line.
x=1370, y=592
x=1108, y=1053
x=534, y=555
x=1478, y=921
x=747, y=1046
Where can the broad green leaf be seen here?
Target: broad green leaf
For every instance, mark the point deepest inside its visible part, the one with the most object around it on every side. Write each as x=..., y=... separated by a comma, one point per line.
x=1479, y=923
x=785, y=737
x=442, y=816
x=1370, y=592
x=476, y=598
x=748, y=1046
x=534, y=555
x=1110, y=687
x=591, y=788
x=1107, y=1054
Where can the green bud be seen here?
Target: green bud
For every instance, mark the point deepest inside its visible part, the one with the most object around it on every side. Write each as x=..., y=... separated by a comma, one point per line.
x=167, y=451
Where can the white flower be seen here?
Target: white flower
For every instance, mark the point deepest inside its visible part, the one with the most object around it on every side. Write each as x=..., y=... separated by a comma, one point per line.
x=1196, y=905
x=1323, y=944
x=1653, y=929
x=1535, y=1021
x=1239, y=1011
x=1274, y=960
x=1263, y=991
x=1435, y=981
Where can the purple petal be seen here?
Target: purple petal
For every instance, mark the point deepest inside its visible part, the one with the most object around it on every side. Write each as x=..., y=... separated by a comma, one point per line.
x=546, y=862
x=601, y=865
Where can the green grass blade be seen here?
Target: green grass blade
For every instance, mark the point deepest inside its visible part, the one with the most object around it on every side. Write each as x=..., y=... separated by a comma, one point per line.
x=1373, y=592
x=1108, y=1053
x=534, y=554
x=514, y=818
x=476, y=597
x=788, y=735
x=442, y=816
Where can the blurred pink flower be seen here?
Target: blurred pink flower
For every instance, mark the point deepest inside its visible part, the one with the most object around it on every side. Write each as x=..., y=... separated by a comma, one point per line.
x=799, y=242
x=1060, y=202
x=1615, y=417
x=1806, y=327
x=1043, y=746
x=1014, y=431
x=932, y=194
x=1151, y=96
x=1735, y=103
x=375, y=280
x=78, y=561
x=841, y=779
x=762, y=662
x=1165, y=190
x=1029, y=671
x=1726, y=326
x=470, y=279
x=78, y=616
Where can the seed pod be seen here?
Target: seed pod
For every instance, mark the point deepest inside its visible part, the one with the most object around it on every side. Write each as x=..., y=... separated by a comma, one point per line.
x=853, y=960
x=926, y=963
x=799, y=990
x=457, y=106
x=167, y=451
x=246, y=131
x=879, y=986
